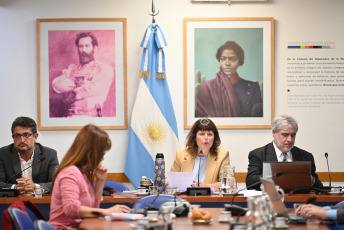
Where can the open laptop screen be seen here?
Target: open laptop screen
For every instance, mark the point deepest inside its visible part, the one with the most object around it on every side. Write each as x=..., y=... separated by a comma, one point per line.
x=296, y=176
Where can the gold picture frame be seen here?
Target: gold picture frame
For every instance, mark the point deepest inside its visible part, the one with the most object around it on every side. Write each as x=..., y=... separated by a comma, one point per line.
x=202, y=38
x=99, y=96
x=221, y=1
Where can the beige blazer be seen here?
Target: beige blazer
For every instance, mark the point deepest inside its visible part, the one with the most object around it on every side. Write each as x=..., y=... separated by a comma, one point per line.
x=184, y=162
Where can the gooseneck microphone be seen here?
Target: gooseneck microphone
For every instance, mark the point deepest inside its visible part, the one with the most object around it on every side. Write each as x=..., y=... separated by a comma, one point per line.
x=15, y=175
x=7, y=192
x=328, y=168
x=194, y=191
x=236, y=209
x=258, y=182
x=199, y=167
x=294, y=191
x=149, y=206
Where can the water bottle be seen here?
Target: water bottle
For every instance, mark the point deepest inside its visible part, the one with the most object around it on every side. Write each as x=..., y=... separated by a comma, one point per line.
x=159, y=171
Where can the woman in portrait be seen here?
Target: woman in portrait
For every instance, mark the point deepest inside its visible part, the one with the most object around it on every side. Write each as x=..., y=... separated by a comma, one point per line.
x=73, y=195
x=203, y=141
x=229, y=95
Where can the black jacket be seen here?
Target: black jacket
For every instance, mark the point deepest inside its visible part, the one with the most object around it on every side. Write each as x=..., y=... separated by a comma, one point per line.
x=267, y=153
x=42, y=172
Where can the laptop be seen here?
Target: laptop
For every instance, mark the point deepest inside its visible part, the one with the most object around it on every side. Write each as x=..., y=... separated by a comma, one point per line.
x=296, y=175
x=279, y=207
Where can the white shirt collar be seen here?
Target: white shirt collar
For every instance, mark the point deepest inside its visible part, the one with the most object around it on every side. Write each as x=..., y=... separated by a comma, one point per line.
x=279, y=154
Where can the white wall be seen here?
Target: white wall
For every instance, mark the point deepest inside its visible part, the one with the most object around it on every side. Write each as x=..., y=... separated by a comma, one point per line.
x=296, y=20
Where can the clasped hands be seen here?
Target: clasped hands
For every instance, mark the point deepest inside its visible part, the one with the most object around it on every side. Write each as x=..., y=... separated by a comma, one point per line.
x=25, y=185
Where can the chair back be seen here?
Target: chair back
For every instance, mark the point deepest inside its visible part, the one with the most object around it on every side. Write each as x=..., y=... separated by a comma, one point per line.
x=117, y=186
x=32, y=215
x=146, y=200
x=20, y=220
x=43, y=225
x=340, y=203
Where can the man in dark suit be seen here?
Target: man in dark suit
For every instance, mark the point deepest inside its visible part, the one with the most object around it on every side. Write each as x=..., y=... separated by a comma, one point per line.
x=25, y=164
x=284, y=129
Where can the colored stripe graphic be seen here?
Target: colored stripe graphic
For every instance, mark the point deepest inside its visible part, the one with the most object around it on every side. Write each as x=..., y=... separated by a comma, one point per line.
x=311, y=47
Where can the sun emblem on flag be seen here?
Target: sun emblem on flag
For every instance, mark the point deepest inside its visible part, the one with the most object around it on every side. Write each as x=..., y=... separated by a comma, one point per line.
x=154, y=133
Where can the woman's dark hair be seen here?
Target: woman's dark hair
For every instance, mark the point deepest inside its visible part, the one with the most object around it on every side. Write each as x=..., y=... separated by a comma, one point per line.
x=231, y=45
x=26, y=122
x=202, y=125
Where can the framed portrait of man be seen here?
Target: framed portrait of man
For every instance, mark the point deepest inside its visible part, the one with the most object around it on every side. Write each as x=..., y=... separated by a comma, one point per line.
x=81, y=73
x=228, y=71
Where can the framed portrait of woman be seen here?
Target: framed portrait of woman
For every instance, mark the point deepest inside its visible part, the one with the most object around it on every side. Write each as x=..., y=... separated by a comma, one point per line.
x=229, y=72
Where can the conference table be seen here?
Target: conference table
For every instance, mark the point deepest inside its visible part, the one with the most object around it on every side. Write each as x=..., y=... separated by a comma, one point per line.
x=179, y=223
x=215, y=200
x=211, y=201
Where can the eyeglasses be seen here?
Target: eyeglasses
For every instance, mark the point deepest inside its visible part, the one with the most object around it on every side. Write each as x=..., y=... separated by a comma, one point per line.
x=231, y=59
x=18, y=136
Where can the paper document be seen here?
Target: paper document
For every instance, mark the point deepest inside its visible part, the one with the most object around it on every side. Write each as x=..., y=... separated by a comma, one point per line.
x=181, y=180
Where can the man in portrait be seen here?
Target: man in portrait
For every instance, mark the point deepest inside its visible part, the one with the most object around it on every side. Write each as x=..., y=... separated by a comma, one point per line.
x=83, y=88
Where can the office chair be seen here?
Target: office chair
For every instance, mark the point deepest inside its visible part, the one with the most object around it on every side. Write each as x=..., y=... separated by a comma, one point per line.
x=20, y=220
x=340, y=203
x=146, y=200
x=43, y=225
x=117, y=186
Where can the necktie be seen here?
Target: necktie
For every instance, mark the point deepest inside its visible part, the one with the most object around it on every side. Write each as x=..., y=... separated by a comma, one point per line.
x=284, y=157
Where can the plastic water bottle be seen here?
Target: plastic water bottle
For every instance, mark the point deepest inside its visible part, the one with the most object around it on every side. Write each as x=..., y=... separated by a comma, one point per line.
x=159, y=171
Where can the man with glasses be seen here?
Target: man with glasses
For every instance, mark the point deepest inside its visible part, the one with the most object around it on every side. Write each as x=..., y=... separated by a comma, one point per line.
x=25, y=164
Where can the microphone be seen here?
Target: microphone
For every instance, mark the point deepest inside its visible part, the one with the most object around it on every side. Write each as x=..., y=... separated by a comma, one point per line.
x=325, y=189
x=199, y=167
x=194, y=191
x=178, y=211
x=238, y=210
x=308, y=201
x=328, y=168
x=149, y=205
x=7, y=192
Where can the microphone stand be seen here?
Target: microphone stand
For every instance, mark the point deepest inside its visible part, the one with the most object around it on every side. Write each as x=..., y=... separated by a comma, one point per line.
x=328, y=168
x=149, y=205
x=194, y=191
x=238, y=210
x=326, y=189
x=199, y=166
x=9, y=192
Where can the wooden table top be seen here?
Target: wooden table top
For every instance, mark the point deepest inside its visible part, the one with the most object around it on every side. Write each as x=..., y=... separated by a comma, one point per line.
x=132, y=198
x=182, y=223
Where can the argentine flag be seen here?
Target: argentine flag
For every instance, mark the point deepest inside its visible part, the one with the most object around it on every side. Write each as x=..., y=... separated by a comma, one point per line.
x=153, y=127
